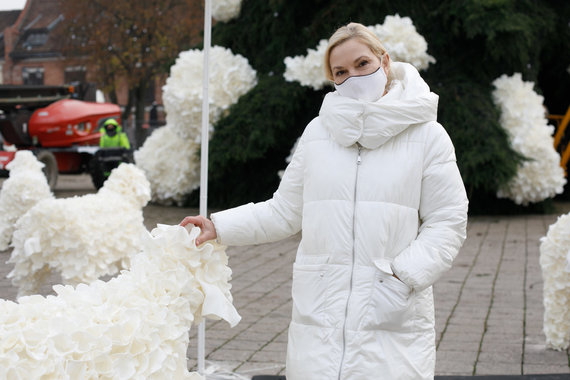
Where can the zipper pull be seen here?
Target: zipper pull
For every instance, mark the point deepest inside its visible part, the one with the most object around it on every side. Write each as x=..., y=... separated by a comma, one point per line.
x=359, y=159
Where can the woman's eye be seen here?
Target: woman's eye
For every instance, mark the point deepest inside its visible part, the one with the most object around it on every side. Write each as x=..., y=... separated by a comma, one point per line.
x=363, y=63
x=339, y=73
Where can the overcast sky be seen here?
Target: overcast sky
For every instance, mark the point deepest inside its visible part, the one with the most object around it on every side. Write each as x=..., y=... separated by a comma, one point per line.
x=6, y=5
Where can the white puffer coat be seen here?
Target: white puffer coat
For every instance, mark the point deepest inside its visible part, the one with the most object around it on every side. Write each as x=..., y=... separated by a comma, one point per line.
x=376, y=190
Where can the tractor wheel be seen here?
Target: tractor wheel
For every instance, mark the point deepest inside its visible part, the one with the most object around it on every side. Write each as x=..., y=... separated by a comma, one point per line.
x=50, y=167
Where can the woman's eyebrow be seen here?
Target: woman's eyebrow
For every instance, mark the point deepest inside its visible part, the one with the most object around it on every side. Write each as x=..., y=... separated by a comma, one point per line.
x=355, y=61
x=361, y=57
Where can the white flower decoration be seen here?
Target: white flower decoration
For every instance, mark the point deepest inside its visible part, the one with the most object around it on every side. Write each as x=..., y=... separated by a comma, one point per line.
x=171, y=164
x=225, y=10
x=83, y=238
x=403, y=42
x=136, y=326
x=26, y=186
x=308, y=70
x=522, y=116
x=555, y=264
x=231, y=76
x=169, y=156
x=398, y=35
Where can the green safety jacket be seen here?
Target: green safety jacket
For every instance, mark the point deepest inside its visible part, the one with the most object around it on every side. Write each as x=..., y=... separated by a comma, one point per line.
x=120, y=140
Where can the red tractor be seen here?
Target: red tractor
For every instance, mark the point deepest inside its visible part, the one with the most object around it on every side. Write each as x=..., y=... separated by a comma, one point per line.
x=63, y=132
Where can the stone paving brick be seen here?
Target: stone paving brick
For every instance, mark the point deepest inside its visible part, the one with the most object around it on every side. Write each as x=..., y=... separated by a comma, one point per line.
x=455, y=362
x=238, y=344
x=536, y=369
x=266, y=356
x=493, y=368
x=504, y=346
x=227, y=355
x=513, y=357
x=276, y=346
x=457, y=335
x=449, y=345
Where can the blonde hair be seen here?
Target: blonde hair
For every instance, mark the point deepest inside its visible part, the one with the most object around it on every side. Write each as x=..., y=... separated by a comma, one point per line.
x=364, y=35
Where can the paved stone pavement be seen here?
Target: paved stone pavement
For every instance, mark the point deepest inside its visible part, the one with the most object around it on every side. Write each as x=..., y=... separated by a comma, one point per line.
x=488, y=306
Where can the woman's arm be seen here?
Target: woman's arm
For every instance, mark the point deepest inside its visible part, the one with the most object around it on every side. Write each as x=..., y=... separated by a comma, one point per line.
x=274, y=219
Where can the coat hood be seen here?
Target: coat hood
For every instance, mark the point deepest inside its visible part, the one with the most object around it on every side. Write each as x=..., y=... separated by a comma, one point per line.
x=409, y=101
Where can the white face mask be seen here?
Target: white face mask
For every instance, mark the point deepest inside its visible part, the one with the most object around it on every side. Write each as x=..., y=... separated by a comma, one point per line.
x=369, y=87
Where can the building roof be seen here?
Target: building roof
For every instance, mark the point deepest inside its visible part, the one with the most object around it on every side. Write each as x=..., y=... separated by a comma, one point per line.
x=7, y=18
x=36, y=25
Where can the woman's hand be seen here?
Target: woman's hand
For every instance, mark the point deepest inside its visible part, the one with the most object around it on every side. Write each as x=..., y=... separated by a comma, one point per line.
x=208, y=231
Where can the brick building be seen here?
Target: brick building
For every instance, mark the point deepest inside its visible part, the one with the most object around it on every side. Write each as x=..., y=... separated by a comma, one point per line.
x=30, y=52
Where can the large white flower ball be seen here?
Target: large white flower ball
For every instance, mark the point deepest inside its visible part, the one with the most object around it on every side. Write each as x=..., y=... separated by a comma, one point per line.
x=522, y=116
x=231, y=76
x=171, y=165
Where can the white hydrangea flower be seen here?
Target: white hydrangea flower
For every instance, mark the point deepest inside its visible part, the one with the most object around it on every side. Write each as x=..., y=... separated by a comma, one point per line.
x=26, y=186
x=171, y=164
x=169, y=156
x=225, y=10
x=403, y=42
x=523, y=117
x=308, y=70
x=231, y=76
x=555, y=264
x=134, y=326
x=82, y=238
x=398, y=35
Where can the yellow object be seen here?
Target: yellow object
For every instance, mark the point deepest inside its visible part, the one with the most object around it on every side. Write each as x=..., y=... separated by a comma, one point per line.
x=561, y=124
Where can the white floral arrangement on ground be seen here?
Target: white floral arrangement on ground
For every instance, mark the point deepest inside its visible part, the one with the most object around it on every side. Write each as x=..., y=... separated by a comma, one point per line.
x=555, y=264
x=26, y=186
x=523, y=117
x=172, y=167
x=135, y=326
x=82, y=238
x=398, y=35
x=225, y=10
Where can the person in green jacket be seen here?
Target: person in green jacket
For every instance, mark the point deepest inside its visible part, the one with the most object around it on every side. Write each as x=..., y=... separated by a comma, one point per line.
x=112, y=136
x=116, y=149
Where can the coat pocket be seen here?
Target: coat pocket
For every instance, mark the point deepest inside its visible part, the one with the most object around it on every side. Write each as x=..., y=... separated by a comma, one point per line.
x=310, y=293
x=390, y=306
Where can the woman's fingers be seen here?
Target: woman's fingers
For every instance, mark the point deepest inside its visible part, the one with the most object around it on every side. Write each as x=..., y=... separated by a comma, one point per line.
x=208, y=231
x=195, y=220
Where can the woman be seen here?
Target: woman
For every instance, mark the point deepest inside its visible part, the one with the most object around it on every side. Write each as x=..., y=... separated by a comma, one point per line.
x=375, y=188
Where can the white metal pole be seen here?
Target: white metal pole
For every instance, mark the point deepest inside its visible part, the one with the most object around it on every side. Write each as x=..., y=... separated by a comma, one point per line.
x=204, y=155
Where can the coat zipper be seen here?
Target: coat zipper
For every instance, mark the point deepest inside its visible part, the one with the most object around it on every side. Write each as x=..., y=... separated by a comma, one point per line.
x=358, y=162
